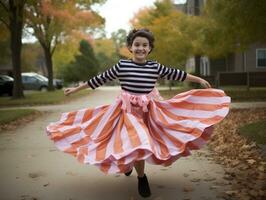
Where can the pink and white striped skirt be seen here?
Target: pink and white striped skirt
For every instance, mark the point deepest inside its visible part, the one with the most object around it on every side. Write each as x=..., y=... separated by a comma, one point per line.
x=140, y=127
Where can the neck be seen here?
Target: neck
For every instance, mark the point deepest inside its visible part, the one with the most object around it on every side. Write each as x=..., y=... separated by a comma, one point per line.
x=139, y=61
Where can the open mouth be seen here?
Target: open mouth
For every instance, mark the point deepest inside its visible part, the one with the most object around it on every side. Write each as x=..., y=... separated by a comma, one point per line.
x=140, y=53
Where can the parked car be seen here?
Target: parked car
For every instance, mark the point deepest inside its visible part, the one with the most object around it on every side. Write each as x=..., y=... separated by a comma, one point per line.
x=6, y=85
x=58, y=83
x=34, y=81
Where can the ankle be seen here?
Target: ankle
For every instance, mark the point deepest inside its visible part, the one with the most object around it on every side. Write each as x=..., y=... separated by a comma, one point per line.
x=141, y=175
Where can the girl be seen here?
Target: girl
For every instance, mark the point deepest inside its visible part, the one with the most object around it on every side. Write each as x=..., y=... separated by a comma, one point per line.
x=139, y=126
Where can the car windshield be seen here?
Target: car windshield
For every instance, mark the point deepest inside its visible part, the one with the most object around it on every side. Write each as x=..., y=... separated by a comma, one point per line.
x=42, y=77
x=37, y=76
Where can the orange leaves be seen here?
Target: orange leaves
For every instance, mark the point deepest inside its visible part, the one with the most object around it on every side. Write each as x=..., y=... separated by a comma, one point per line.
x=173, y=43
x=68, y=13
x=123, y=51
x=244, y=161
x=105, y=46
x=171, y=29
x=77, y=36
x=47, y=8
x=140, y=18
x=57, y=21
x=88, y=18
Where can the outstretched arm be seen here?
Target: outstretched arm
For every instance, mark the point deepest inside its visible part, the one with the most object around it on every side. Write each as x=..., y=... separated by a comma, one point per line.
x=72, y=90
x=179, y=75
x=96, y=81
x=199, y=80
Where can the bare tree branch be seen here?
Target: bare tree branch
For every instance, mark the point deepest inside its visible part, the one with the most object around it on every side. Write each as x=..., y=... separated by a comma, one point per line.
x=7, y=11
x=56, y=42
x=4, y=6
x=28, y=32
x=7, y=25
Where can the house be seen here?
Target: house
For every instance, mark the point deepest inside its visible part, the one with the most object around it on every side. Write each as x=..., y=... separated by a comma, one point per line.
x=251, y=60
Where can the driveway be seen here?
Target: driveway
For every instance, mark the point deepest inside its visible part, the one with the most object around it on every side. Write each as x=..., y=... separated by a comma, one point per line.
x=32, y=168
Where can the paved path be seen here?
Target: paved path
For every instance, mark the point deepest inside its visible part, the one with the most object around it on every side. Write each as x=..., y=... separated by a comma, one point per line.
x=31, y=167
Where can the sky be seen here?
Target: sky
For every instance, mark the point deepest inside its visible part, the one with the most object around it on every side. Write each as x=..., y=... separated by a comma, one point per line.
x=117, y=13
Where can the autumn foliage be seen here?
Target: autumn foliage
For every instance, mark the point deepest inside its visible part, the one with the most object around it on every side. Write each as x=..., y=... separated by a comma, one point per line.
x=55, y=22
x=222, y=28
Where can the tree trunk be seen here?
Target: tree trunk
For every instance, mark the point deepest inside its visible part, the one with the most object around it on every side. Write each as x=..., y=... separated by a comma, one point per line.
x=49, y=66
x=197, y=65
x=16, y=25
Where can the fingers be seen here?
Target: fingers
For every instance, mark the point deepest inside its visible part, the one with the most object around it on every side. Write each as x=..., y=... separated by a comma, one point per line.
x=67, y=91
x=206, y=84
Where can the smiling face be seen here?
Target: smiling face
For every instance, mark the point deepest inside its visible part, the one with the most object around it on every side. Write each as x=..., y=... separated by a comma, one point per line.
x=140, y=49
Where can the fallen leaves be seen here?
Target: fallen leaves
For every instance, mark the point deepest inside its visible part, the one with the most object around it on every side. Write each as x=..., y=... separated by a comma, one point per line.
x=195, y=180
x=209, y=179
x=37, y=174
x=188, y=188
x=243, y=159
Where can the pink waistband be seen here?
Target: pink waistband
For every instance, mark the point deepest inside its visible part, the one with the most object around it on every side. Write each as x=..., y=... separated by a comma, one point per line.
x=128, y=99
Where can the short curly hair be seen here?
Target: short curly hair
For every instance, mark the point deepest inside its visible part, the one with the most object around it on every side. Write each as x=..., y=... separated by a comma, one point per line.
x=140, y=33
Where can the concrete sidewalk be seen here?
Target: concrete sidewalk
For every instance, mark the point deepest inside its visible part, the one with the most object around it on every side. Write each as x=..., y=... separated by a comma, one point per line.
x=31, y=167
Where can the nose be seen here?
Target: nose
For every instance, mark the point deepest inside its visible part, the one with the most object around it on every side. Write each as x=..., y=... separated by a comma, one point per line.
x=140, y=48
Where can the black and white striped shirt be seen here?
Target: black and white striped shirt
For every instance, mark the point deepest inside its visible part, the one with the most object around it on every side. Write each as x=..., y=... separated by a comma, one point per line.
x=135, y=77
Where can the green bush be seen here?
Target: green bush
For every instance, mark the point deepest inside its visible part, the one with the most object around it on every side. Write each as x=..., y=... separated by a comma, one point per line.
x=255, y=131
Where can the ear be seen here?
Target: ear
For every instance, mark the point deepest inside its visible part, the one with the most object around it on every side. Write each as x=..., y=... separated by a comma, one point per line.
x=129, y=48
x=150, y=49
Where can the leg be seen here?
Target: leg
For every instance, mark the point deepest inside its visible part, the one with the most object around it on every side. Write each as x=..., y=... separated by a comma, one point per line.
x=143, y=184
x=139, y=166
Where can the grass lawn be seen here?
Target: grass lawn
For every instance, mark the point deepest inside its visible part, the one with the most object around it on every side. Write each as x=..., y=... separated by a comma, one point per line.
x=255, y=131
x=41, y=98
x=7, y=116
x=242, y=94
x=237, y=94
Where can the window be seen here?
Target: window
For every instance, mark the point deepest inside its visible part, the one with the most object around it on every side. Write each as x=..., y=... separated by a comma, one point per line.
x=261, y=57
x=28, y=79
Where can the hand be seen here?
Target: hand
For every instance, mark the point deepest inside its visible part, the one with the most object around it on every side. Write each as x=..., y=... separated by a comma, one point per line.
x=69, y=91
x=205, y=83
x=199, y=80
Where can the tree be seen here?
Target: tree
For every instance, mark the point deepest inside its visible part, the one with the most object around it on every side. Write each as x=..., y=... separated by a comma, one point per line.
x=64, y=54
x=146, y=16
x=53, y=21
x=171, y=30
x=12, y=15
x=173, y=39
x=119, y=38
x=232, y=25
x=84, y=66
x=5, y=54
x=31, y=53
x=105, y=53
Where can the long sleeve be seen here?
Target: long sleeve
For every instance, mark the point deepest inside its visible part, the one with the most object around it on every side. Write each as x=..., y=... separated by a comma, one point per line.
x=109, y=75
x=171, y=73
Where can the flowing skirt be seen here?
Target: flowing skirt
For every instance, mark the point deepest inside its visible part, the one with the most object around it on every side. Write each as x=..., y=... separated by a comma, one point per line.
x=140, y=127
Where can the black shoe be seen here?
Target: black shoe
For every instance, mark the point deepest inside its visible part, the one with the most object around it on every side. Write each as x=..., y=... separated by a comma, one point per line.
x=128, y=173
x=143, y=186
